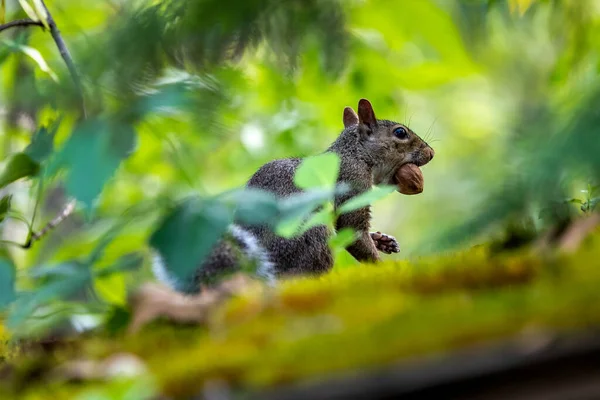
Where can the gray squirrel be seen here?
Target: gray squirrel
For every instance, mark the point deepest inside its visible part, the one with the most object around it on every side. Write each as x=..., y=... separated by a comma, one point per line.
x=371, y=151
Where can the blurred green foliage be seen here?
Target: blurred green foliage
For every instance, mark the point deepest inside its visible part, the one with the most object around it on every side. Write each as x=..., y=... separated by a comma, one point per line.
x=186, y=99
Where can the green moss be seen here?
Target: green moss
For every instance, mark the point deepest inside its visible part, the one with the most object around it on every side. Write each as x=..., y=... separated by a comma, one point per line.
x=357, y=318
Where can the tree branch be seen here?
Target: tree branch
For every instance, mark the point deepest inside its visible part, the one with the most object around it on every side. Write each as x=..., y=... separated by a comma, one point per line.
x=64, y=52
x=20, y=23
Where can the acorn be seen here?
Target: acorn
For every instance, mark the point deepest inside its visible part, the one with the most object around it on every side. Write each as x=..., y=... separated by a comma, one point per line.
x=409, y=179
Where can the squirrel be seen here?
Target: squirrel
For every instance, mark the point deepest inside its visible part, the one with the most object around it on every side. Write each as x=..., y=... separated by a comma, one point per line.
x=370, y=151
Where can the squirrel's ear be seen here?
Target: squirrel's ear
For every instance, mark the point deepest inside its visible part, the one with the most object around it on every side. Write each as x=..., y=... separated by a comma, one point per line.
x=350, y=117
x=366, y=115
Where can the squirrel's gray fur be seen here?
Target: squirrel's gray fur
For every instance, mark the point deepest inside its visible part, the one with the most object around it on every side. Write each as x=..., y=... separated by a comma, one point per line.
x=370, y=153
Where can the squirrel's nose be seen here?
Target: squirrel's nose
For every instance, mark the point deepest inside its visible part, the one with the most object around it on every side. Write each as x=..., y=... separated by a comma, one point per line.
x=429, y=153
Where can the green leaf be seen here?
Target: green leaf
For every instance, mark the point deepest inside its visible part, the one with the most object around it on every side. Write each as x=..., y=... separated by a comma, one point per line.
x=169, y=97
x=367, y=198
x=20, y=165
x=289, y=228
x=5, y=203
x=2, y=11
x=324, y=216
x=28, y=10
x=304, y=203
x=92, y=155
x=296, y=209
x=298, y=226
x=187, y=235
x=129, y=262
x=338, y=243
x=254, y=206
x=34, y=55
x=40, y=11
x=318, y=171
x=42, y=143
x=342, y=239
x=118, y=319
x=60, y=281
x=7, y=282
x=56, y=271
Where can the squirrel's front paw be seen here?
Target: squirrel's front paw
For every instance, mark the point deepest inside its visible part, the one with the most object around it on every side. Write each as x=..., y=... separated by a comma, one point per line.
x=385, y=243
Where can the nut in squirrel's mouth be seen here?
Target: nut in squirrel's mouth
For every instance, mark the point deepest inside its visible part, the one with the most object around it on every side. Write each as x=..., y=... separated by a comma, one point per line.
x=408, y=179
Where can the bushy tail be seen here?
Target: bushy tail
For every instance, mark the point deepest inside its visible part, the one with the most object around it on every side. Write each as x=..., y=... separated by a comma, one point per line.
x=247, y=242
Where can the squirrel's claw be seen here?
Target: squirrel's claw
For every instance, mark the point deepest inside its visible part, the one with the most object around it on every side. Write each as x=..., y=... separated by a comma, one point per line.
x=385, y=243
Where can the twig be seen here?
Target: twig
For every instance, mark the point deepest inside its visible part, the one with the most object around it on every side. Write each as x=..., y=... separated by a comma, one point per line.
x=51, y=225
x=64, y=52
x=20, y=23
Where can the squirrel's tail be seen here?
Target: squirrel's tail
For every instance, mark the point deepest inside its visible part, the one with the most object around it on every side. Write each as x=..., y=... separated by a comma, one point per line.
x=247, y=242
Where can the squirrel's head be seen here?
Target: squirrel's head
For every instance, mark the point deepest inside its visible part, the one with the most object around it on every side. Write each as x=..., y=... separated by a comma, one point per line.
x=388, y=144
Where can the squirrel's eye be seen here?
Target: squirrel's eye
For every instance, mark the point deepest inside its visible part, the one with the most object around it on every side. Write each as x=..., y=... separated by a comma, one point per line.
x=401, y=133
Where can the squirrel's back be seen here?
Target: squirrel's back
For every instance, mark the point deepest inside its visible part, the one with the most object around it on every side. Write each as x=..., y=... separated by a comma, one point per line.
x=276, y=177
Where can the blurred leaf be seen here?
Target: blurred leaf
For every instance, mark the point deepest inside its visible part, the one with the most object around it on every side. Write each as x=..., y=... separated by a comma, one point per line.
x=92, y=155
x=367, y=198
x=62, y=281
x=342, y=239
x=28, y=10
x=34, y=55
x=167, y=98
x=42, y=144
x=7, y=282
x=301, y=205
x=338, y=243
x=5, y=203
x=118, y=319
x=254, y=207
x=2, y=11
x=56, y=271
x=129, y=262
x=187, y=235
x=289, y=227
x=20, y=165
x=5, y=51
x=105, y=240
x=111, y=288
x=318, y=171
x=322, y=217
x=297, y=226
x=40, y=11
x=520, y=6
x=298, y=211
